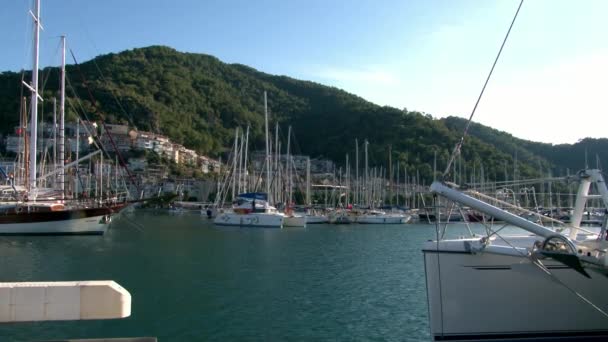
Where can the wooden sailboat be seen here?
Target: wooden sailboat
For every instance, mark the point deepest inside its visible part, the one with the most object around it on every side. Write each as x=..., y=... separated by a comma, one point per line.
x=33, y=211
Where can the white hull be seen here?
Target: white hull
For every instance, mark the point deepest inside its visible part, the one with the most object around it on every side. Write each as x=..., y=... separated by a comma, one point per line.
x=316, y=219
x=383, y=219
x=492, y=294
x=295, y=221
x=88, y=225
x=339, y=217
x=270, y=220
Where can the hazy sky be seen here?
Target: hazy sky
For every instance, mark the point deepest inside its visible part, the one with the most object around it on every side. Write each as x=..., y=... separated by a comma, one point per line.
x=430, y=56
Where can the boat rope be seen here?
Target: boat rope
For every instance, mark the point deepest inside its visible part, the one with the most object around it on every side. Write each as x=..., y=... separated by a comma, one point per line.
x=520, y=210
x=437, y=228
x=110, y=138
x=136, y=225
x=458, y=146
x=542, y=267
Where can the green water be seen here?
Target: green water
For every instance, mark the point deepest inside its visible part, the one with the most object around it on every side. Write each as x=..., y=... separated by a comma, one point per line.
x=191, y=281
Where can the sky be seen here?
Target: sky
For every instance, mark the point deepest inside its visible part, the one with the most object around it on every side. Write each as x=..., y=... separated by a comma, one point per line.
x=428, y=55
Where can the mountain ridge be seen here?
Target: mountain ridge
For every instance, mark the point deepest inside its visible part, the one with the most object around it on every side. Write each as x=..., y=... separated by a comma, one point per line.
x=197, y=100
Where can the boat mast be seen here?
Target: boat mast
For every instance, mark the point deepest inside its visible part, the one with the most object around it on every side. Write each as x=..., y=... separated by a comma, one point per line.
x=276, y=176
x=308, y=199
x=77, y=155
x=390, y=174
x=267, y=147
x=357, y=200
x=235, y=163
x=55, y=136
x=101, y=178
x=288, y=168
x=366, y=175
x=240, y=175
x=62, y=121
x=347, y=181
x=245, y=174
x=34, y=102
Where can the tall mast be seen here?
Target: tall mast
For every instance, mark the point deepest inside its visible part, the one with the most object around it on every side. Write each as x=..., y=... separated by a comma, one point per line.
x=235, y=163
x=77, y=156
x=397, y=184
x=245, y=174
x=240, y=175
x=267, y=147
x=367, y=190
x=357, y=184
x=347, y=181
x=275, y=177
x=55, y=135
x=62, y=121
x=101, y=178
x=34, y=101
x=308, y=199
x=390, y=174
x=288, y=168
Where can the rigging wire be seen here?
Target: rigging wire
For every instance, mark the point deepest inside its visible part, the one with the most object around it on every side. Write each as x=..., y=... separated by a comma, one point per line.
x=529, y=256
x=458, y=146
x=92, y=99
x=536, y=262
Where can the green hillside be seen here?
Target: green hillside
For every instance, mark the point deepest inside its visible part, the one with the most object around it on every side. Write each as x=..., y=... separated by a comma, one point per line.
x=197, y=100
x=561, y=157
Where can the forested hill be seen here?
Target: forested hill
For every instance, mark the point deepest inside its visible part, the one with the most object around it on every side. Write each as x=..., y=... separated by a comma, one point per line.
x=197, y=100
x=562, y=157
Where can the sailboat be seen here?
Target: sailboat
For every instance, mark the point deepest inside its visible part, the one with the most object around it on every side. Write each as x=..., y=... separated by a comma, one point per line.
x=34, y=213
x=252, y=209
x=548, y=283
x=545, y=284
x=375, y=216
x=292, y=219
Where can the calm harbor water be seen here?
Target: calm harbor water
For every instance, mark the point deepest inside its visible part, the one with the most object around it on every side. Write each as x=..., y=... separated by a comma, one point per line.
x=191, y=281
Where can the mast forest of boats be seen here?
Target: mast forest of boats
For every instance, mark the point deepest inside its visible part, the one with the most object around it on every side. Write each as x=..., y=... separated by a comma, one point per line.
x=43, y=196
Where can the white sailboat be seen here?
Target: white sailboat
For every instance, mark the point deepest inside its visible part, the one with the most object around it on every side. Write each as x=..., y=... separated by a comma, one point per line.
x=316, y=216
x=292, y=219
x=252, y=209
x=547, y=284
x=381, y=217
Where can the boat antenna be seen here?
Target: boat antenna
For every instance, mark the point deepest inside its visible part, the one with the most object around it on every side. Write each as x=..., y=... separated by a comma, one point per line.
x=458, y=146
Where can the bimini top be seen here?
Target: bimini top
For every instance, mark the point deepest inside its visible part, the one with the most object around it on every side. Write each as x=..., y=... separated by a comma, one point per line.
x=254, y=195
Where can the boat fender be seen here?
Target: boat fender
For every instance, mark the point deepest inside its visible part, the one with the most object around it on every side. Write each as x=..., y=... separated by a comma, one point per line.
x=106, y=219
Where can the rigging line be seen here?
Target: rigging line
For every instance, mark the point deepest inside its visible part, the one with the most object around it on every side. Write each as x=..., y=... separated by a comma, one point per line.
x=92, y=42
x=84, y=114
x=79, y=119
x=437, y=227
x=541, y=266
x=128, y=115
x=458, y=146
x=120, y=158
x=46, y=78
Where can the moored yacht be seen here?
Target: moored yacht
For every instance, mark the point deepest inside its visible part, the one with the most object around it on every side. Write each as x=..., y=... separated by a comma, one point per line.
x=316, y=216
x=42, y=218
x=548, y=284
x=381, y=217
x=29, y=208
x=251, y=210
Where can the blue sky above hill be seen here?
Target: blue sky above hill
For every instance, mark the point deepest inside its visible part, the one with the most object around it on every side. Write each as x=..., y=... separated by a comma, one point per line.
x=431, y=56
